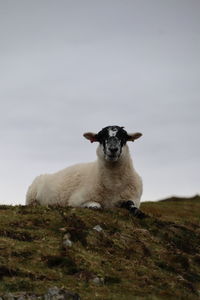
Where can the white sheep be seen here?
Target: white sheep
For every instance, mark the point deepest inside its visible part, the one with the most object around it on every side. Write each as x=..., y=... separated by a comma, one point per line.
x=110, y=181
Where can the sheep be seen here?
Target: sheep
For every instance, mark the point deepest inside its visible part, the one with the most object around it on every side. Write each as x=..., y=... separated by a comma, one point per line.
x=108, y=182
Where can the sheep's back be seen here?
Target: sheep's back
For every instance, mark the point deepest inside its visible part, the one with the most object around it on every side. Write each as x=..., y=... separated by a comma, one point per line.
x=57, y=188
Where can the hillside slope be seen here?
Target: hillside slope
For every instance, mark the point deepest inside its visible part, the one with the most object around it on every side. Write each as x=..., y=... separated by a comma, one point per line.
x=122, y=258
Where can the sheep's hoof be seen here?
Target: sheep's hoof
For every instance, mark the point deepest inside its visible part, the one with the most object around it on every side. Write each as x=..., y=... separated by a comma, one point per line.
x=136, y=212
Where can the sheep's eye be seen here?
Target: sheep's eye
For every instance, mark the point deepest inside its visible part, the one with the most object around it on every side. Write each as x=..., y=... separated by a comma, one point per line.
x=102, y=137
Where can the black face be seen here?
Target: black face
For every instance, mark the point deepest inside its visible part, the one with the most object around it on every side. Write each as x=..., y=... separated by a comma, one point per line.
x=112, y=139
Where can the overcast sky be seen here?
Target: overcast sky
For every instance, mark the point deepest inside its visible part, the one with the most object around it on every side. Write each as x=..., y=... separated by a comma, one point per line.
x=67, y=67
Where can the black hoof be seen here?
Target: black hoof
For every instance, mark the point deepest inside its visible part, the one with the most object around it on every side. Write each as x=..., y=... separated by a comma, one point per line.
x=136, y=212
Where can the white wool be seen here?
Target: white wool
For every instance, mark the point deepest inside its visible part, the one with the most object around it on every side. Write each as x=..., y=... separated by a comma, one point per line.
x=101, y=182
x=112, y=132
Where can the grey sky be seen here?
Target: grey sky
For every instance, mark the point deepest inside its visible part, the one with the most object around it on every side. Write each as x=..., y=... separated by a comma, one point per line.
x=67, y=67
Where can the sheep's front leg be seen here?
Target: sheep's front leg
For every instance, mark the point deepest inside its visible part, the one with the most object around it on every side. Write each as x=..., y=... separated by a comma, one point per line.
x=91, y=204
x=133, y=209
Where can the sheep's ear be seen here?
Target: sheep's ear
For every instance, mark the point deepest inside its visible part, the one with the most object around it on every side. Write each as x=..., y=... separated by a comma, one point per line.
x=92, y=137
x=134, y=136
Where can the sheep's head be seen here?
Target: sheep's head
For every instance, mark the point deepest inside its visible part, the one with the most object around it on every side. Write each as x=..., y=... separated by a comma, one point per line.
x=112, y=140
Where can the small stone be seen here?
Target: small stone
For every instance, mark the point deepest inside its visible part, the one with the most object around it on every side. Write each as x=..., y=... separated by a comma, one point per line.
x=67, y=243
x=53, y=291
x=66, y=240
x=98, y=280
x=97, y=228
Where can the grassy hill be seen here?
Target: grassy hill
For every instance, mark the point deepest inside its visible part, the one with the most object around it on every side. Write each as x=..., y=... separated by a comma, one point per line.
x=125, y=258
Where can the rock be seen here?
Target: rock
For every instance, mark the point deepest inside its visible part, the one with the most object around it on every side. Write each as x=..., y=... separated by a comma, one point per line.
x=98, y=280
x=53, y=293
x=66, y=241
x=97, y=228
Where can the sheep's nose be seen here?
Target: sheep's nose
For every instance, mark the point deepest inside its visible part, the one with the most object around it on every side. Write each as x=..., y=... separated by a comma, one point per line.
x=113, y=150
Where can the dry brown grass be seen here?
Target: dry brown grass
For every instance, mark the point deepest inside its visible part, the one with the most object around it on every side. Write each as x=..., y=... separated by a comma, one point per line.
x=154, y=258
